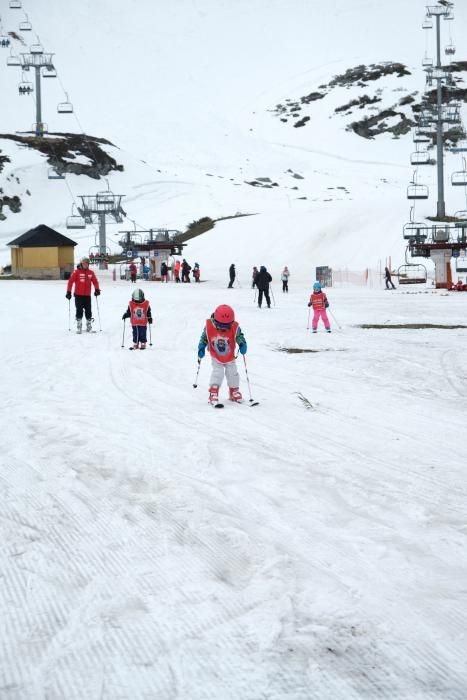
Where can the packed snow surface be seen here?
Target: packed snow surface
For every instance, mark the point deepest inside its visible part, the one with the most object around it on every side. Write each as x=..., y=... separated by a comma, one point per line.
x=309, y=547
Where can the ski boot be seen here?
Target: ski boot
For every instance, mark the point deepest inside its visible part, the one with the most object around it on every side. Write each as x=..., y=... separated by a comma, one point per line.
x=143, y=346
x=88, y=325
x=213, y=394
x=235, y=394
x=315, y=330
x=79, y=325
x=135, y=346
x=328, y=330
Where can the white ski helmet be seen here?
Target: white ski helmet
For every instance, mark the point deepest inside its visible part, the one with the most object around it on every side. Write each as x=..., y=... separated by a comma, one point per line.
x=137, y=295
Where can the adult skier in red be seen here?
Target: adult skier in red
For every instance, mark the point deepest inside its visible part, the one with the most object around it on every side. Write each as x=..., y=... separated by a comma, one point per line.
x=220, y=336
x=319, y=302
x=83, y=278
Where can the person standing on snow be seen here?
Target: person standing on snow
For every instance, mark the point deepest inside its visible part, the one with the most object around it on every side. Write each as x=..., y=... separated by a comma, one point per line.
x=164, y=272
x=254, y=274
x=319, y=302
x=220, y=335
x=139, y=310
x=82, y=278
x=177, y=270
x=387, y=278
x=196, y=272
x=263, y=279
x=285, y=279
x=133, y=270
x=232, y=276
x=185, y=271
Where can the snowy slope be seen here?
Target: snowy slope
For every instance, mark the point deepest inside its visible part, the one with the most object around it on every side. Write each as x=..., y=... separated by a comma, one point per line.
x=190, y=89
x=312, y=547
x=309, y=548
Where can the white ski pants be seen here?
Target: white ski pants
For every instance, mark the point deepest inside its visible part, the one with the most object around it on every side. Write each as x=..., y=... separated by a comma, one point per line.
x=231, y=373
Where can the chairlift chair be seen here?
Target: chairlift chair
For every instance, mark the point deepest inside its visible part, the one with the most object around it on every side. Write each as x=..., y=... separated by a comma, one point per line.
x=52, y=174
x=417, y=191
x=420, y=158
x=36, y=49
x=440, y=233
x=74, y=222
x=421, y=136
x=459, y=178
x=427, y=24
x=15, y=5
x=427, y=62
x=414, y=230
x=25, y=87
x=107, y=198
x=65, y=107
x=412, y=274
x=13, y=60
x=4, y=41
x=49, y=72
x=461, y=263
x=25, y=25
x=450, y=50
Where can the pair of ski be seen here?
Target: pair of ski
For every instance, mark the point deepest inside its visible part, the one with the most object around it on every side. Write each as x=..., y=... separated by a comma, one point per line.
x=218, y=404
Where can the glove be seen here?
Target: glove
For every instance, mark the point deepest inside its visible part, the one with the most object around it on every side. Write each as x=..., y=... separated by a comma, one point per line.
x=149, y=321
x=68, y=295
x=124, y=317
x=326, y=304
x=97, y=292
x=242, y=348
x=201, y=351
x=309, y=303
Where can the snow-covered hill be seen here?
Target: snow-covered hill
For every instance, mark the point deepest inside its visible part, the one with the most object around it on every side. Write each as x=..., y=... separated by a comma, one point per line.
x=308, y=548
x=189, y=92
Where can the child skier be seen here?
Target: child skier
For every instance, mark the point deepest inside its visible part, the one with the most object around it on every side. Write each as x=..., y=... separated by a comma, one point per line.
x=139, y=311
x=220, y=335
x=319, y=302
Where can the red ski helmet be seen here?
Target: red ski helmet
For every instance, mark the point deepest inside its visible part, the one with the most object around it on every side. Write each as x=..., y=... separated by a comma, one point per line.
x=224, y=315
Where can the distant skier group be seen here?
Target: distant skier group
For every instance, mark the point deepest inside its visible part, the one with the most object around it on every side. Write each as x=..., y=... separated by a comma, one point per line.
x=221, y=334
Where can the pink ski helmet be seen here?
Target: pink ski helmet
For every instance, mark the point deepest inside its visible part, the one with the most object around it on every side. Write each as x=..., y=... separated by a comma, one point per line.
x=224, y=315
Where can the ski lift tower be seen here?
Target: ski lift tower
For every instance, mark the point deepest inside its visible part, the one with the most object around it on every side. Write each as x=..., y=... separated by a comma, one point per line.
x=36, y=59
x=441, y=10
x=99, y=208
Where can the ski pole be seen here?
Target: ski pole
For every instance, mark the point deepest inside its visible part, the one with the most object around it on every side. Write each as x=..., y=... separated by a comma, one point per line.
x=272, y=294
x=247, y=379
x=123, y=337
x=98, y=313
x=69, y=314
x=150, y=335
x=335, y=320
x=308, y=322
x=197, y=373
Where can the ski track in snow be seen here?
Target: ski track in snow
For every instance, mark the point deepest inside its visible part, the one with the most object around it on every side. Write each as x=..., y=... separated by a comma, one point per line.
x=152, y=547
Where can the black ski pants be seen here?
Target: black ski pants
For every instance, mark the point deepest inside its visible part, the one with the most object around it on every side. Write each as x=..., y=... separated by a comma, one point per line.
x=285, y=285
x=260, y=297
x=83, y=303
x=389, y=282
x=232, y=280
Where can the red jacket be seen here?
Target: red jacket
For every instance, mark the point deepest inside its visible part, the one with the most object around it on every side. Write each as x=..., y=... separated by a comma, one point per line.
x=318, y=300
x=82, y=279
